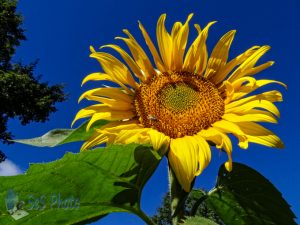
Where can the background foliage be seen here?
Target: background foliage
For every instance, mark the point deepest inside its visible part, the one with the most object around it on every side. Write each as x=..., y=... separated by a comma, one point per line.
x=23, y=95
x=163, y=213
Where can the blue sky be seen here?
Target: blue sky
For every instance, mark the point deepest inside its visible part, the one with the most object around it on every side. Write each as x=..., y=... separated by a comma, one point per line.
x=59, y=34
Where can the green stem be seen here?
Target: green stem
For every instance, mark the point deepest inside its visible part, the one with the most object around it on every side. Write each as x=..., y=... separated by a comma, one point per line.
x=178, y=197
x=144, y=217
x=197, y=204
x=202, y=199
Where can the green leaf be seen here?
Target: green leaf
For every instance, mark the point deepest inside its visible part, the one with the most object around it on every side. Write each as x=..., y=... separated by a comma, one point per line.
x=62, y=136
x=89, y=185
x=199, y=220
x=244, y=196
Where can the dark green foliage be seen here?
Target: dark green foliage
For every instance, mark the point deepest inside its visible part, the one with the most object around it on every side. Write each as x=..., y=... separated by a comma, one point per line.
x=22, y=95
x=2, y=156
x=11, y=32
x=243, y=196
x=163, y=213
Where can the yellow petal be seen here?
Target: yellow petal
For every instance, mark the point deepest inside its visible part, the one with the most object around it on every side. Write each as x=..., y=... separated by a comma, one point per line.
x=130, y=62
x=221, y=140
x=242, y=89
x=246, y=107
x=110, y=115
x=272, y=96
x=232, y=128
x=139, y=136
x=243, y=69
x=254, y=117
x=89, y=111
x=204, y=153
x=125, y=132
x=117, y=126
x=112, y=103
x=114, y=68
x=257, y=69
x=159, y=141
x=222, y=74
x=92, y=50
x=109, y=132
x=228, y=165
x=260, y=135
x=243, y=81
x=203, y=55
x=158, y=62
x=138, y=54
x=179, y=37
x=164, y=41
x=196, y=57
x=94, y=140
x=229, y=90
x=219, y=56
x=183, y=159
x=175, y=49
x=188, y=156
x=113, y=93
x=175, y=29
x=97, y=77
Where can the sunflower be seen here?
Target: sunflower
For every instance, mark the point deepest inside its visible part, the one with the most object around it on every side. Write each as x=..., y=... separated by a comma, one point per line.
x=186, y=102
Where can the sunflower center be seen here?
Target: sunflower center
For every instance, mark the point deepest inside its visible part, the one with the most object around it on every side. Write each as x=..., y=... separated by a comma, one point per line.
x=178, y=97
x=178, y=104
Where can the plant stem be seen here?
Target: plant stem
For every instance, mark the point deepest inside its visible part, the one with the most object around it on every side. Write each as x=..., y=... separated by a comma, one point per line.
x=197, y=204
x=144, y=217
x=201, y=200
x=178, y=197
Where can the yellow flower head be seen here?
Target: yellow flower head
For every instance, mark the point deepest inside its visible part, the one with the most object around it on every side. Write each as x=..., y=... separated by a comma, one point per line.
x=185, y=101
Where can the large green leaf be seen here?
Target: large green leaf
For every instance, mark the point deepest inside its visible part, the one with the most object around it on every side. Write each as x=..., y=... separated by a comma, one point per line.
x=62, y=136
x=244, y=196
x=99, y=182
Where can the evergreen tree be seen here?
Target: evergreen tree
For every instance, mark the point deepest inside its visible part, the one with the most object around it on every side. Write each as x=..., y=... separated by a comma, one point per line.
x=163, y=213
x=22, y=95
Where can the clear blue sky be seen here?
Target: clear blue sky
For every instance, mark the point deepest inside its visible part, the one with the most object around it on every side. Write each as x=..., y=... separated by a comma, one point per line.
x=59, y=34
